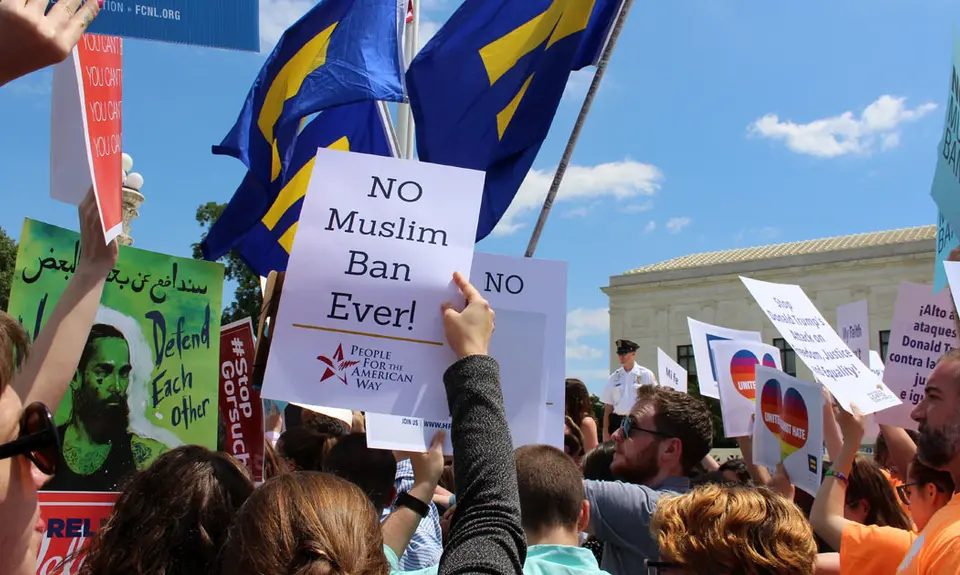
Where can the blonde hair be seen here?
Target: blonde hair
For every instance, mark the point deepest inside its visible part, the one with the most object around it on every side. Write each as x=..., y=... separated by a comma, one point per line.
x=747, y=530
x=15, y=345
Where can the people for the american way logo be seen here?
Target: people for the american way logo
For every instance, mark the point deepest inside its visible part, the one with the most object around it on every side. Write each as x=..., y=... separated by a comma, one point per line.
x=337, y=366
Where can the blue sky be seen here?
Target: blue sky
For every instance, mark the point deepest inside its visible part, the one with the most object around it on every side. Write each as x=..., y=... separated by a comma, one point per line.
x=720, y=124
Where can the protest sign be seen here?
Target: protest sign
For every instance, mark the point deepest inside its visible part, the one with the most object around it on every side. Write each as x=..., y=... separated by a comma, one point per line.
x=876, y=363
x=737, y=362
x=71, y=519
x=671, y=374
x=529, y=296
x=86, y=126
x=359, y=324
x=148, y=378
x=230, y=24
x=853, y=325
x=923, y=329
x=788, y=427
x=819, y=347
x=946, y=176
x=240, y=405
x=702, y=335
x=946, y=242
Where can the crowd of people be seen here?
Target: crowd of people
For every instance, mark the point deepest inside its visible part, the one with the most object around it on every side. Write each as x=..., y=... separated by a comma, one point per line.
x=647, y=499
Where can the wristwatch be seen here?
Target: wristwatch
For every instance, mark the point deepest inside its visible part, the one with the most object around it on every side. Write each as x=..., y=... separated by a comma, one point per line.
x=413, y=504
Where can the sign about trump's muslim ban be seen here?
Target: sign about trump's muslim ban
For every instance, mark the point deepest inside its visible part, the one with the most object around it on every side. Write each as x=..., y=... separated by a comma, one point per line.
x=360, y=324
x=820, y=347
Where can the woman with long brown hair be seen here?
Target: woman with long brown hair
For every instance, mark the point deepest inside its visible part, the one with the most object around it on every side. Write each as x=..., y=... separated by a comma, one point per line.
x=172, y=517
x=580, y=410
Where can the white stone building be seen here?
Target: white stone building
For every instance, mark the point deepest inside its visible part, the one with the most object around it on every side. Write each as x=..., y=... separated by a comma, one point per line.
x=650, y=305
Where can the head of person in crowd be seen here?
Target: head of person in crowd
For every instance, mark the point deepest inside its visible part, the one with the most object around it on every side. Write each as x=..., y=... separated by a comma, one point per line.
x=172, y=517
x=626, y=353
x=596, y=463
x=938, y=414
x=303, y=448
x=553, y=508
x=335, y=423
x=572, y=439
x=21, y=530
x=711, y=478
x=665, y=435
x=881, y=454
x=272, y=464
x=577, y=403
x=305, y=523
x=446, y=478
x=870, y=499
x=372, y=470
x=735, y=471
x=926, y=491
x=733, y=530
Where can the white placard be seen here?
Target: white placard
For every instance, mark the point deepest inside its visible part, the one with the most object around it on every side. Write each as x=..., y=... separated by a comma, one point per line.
x=922, y=330
x=853, y=325
x=737, y=361
x=819, y=347
x=702, y=335
x=400, y=433
x=671, y=374
x=876, y=363
x=789, y=427
x=529, y=297
x=360, y=323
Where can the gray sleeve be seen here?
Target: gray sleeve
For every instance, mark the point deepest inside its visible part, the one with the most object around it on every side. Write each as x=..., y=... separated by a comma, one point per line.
x=486, y=536
x=620, y=514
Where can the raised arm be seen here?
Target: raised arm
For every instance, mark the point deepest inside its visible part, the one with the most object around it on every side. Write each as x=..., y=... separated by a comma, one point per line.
x=486, y=536
x=56, y=349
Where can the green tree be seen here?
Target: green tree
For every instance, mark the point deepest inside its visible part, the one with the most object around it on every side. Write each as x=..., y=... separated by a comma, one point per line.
x=8, y=262
x=246, y=298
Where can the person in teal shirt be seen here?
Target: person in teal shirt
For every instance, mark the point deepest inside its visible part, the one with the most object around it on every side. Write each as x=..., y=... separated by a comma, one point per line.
x=554, y=511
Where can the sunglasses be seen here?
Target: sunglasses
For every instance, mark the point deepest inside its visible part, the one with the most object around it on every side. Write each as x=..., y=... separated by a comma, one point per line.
x=627, y=426
x=38, y=439
x=906, y=490
x=659, y=567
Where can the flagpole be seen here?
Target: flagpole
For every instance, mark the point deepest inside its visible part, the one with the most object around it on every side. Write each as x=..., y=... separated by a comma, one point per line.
x=404, y=113
x=575, y=134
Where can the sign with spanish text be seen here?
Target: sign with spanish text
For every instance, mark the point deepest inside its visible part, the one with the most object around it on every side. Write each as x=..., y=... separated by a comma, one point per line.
x=86, y=128
x=70, y=520
x=820, y=348
x=240, y=405
x=230, y=24
x=788, y=427
x=946, y=176
x=671, y=374
x=737, y=362
x=853, y=325
x=923, y=329
x=360, y=324
x=529, y=296
x=946, y=242
x=703, y=335
x=147, y=380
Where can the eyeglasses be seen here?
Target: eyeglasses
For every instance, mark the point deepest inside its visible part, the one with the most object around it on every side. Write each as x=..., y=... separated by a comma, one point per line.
x=906, y=490
x=38, y=439
x=627, y=426
x=659, y=567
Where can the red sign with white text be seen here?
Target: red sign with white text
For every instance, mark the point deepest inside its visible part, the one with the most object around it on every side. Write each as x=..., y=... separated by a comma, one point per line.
x=240, y=405
x=86, y=124
x=71, y=519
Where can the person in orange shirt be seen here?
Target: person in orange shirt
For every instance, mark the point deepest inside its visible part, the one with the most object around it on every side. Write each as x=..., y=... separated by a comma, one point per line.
x=937, y=550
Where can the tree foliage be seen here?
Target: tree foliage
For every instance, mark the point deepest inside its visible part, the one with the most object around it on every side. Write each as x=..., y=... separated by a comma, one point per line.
x=8, y=262
x=246, y=298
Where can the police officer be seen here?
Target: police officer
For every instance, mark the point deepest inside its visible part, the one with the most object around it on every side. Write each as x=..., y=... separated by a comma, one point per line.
x=621, y=391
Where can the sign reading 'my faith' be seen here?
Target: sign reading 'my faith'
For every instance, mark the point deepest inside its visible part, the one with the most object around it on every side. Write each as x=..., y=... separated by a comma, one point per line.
x=360, y=323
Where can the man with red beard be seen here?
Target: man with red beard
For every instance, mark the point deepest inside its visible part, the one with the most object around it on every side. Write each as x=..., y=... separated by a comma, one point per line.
x=98, y=449
x=658, y=443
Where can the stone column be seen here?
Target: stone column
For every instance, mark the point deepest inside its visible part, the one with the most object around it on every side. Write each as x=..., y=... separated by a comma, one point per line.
x=132, y=198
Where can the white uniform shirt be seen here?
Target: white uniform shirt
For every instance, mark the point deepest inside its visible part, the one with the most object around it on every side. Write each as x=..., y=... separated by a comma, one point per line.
x=621, y=390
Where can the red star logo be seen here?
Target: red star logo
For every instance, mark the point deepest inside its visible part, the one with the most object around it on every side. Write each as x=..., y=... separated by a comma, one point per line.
x=336, y=366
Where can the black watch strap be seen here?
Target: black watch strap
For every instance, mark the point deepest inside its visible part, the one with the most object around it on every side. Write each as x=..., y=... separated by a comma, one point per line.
x=413, y=504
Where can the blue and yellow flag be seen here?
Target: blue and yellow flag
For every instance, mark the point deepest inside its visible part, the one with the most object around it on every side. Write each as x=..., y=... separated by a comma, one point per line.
x=260, y=221
x=341, y=51
x=485, y=89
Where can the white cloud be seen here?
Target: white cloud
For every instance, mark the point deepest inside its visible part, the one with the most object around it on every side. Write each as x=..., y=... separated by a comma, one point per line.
x=577, y=85
x=581, y=323
x=576, y=213
x=756, y=236
x=651, y=226
x=427, y=30
x=877, y=126
x=639, y=208
x=620, y=180
x=676, y=225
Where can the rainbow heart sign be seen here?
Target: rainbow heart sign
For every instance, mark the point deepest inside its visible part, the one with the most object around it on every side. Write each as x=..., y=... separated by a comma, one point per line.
x=770, y=405
x=768, y=361
x=743, y=368
x=794, y=424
